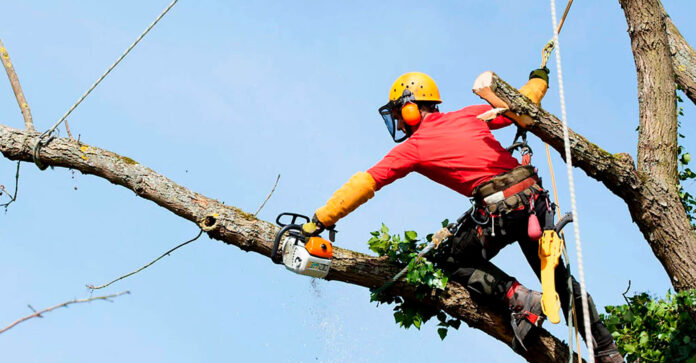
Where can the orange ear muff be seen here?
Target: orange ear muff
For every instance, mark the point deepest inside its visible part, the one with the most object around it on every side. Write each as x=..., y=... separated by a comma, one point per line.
x=411, y=114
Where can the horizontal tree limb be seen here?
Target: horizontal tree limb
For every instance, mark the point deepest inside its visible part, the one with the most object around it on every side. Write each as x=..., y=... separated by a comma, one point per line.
x=236, y=227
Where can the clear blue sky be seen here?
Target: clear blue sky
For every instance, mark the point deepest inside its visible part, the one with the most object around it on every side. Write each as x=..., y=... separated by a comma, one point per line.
x=223, y=96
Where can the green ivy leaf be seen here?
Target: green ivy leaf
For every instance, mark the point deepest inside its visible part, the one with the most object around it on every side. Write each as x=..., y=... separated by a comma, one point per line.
x=417, y=322
x=455, y=323
x=421, y=273
x=442, y=332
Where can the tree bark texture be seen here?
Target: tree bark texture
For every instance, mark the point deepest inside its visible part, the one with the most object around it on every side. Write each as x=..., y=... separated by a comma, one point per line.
x=656, y=210
x=235, y=227
x=657, y=135
x=683, y=60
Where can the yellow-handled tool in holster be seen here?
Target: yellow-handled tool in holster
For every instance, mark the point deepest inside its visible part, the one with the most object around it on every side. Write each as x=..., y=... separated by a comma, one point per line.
x=550, y=246
x=550, y=249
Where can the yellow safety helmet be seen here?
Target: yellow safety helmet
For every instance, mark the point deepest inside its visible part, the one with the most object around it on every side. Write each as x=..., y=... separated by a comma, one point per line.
x=419, y=84
x=406, y=90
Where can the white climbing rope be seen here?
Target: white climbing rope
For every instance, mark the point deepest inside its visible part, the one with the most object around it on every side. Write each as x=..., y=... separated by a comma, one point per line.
x=571, y=186
x=94, y=85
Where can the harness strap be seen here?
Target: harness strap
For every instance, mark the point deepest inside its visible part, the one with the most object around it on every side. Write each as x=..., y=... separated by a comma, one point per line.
x=501, y=195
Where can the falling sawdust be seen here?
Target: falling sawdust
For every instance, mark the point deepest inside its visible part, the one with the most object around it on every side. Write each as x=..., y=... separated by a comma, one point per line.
x=330, y=328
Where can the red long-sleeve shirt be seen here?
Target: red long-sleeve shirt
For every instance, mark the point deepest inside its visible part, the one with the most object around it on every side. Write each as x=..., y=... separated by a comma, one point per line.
x=454, y=149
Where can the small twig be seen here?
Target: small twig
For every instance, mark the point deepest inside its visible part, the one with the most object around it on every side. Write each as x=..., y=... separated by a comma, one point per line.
x=65, y=304
x=67, y=128
x=13, y=197
x=34, y=310
x=625, y=298
x=269, y=196
x=92, y=287
x=17, y=88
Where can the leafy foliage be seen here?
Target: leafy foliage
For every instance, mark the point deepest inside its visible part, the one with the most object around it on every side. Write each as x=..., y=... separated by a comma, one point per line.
x=685, y=173
x=421, y=273
x=651, y=330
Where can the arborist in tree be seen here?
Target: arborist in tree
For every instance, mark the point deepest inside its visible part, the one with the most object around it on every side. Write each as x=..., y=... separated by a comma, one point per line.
x=458, y=150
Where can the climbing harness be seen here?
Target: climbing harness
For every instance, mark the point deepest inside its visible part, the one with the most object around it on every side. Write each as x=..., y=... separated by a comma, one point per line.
x=48, y=135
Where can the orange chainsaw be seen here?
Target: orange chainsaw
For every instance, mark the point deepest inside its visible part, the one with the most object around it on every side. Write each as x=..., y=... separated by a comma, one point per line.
x=300, y=252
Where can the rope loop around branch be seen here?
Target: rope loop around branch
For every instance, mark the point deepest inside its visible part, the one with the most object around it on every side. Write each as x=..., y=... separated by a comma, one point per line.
x=44, y=139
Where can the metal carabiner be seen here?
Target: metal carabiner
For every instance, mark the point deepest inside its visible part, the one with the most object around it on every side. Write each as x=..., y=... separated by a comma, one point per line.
x=473, y=216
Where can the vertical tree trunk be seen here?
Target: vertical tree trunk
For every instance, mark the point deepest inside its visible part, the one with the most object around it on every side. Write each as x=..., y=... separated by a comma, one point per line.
x=657, y=136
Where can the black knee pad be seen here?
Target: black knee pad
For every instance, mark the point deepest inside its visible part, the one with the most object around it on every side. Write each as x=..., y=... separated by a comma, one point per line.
x=489, y=281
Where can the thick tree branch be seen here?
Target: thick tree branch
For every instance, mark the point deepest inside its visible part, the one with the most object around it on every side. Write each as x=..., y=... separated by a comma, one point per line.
x=657, y=210
x=683, y=59
x=235, y=227
x=657, y=136
x=16, y=87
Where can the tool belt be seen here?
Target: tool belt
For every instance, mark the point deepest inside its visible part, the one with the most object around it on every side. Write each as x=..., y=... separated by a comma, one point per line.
x=508, y=191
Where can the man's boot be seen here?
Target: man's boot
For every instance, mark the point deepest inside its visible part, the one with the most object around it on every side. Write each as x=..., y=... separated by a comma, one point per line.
x=525, y=306
x=604, y=347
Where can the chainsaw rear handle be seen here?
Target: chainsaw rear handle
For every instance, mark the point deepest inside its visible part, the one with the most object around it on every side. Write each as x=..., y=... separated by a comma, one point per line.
x=567, y=218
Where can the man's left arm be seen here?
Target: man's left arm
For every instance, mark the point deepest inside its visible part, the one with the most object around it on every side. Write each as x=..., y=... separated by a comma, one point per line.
x=362, y=186
x=356, y=191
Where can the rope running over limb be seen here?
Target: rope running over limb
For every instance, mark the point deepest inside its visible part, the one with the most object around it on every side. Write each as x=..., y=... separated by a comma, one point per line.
x=94, y=85
x=571, y=186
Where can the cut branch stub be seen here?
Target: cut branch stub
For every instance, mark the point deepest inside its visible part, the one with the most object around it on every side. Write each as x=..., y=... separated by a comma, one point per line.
x=485, y=88
x=209, y=222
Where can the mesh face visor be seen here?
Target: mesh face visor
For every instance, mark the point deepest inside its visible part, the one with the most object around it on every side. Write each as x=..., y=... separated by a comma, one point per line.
x=387, y=113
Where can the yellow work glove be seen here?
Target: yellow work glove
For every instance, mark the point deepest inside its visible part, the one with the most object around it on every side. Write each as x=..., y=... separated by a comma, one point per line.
x=356, y=191
x=536, y=87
